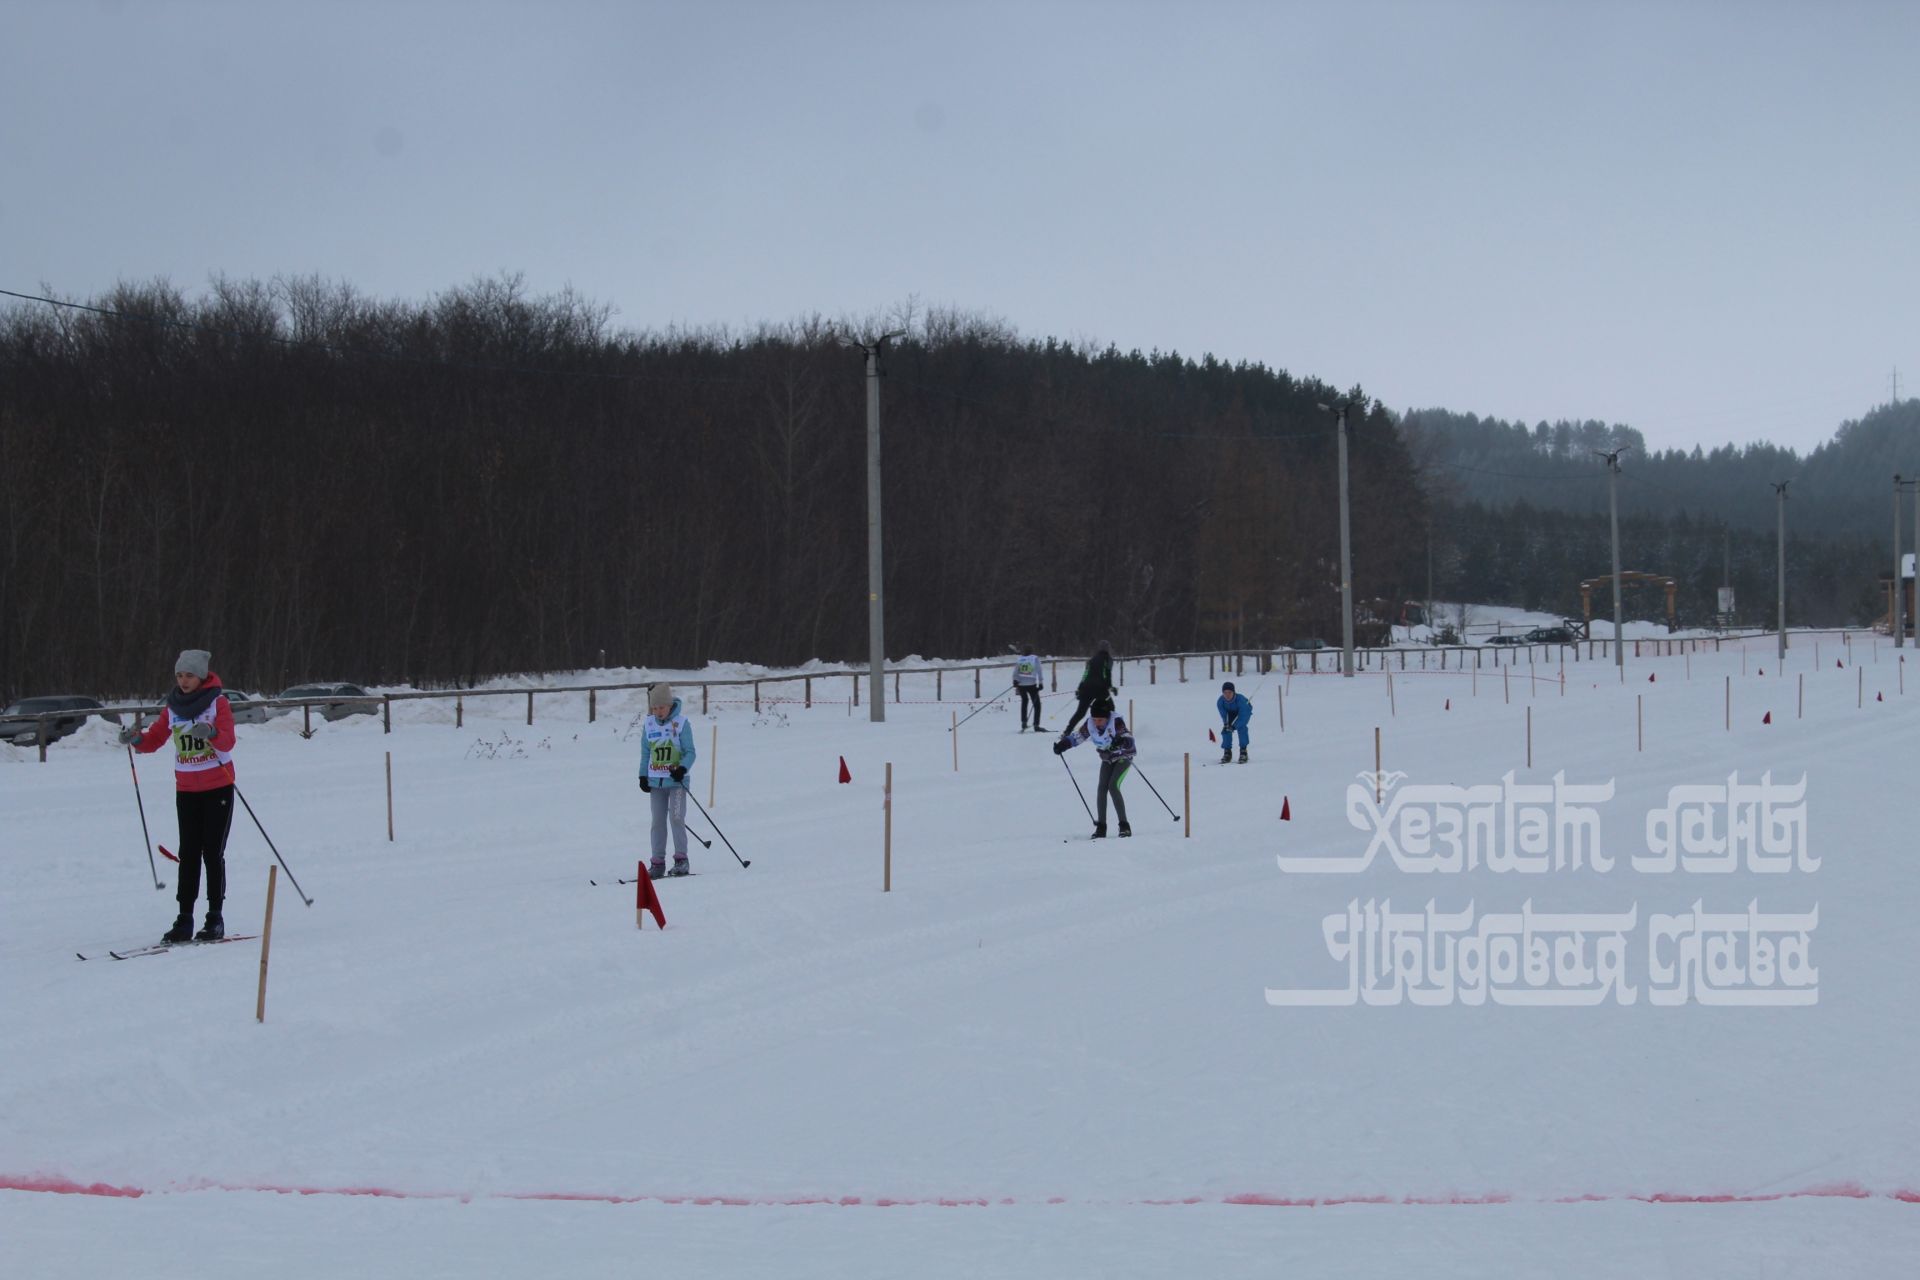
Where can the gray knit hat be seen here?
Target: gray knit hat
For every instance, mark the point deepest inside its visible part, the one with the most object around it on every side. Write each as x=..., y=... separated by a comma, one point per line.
x=661, y=695
x=193, y=662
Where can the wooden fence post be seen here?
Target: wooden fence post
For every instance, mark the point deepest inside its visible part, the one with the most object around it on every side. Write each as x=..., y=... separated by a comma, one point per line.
x=386, y=713
x=459, y=710
x=593, y=705
x=713, y=762
x=529, y=706
x=1186, y=809
x=886, y=874
x=389, y=797
x=954, y=731
x=1377, y=793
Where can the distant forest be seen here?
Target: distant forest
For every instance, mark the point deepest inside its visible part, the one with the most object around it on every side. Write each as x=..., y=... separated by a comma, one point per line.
x=316, y=484
x=1520, y=515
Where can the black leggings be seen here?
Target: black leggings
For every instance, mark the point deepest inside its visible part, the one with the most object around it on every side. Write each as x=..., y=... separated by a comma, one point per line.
x=1112, y=774
x=1028, y=695
x=205, y=817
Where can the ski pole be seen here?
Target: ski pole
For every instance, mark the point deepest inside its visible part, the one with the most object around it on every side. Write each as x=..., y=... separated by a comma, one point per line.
x=1076, y=789
x=983, y=706
x=145, y=836
x=1156, y=793
x=716, y=829
x=276, y=852
x=697, y=836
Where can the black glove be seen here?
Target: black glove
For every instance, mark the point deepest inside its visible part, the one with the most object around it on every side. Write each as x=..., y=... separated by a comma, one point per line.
x=644, y=784
x=1061, y=745
x=128, y=736
x=678, y=773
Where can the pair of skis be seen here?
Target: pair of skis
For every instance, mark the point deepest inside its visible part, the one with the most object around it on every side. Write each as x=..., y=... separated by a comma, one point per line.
x=161, y=948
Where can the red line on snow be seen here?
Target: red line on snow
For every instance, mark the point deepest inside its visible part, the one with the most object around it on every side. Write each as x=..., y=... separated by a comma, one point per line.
x=54, y=1184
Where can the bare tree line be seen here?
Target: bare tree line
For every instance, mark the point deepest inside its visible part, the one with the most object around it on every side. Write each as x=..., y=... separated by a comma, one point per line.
x=316, y=484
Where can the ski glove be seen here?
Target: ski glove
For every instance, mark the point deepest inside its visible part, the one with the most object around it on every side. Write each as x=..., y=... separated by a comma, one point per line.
x=128, y=736
x=201, y=734
x=644, y=784
x=1060, y=745
x=678, y=773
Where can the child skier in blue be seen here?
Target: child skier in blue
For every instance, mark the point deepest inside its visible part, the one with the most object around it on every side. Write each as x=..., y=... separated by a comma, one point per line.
x=668, y=741
x=1110, y=737
x=1235, y=711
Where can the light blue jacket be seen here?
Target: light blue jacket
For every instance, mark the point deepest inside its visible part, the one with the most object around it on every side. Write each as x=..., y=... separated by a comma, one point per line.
x=669, y=748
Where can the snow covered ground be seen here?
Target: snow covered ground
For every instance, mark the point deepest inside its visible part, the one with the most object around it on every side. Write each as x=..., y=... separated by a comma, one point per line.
x=1037, y=1055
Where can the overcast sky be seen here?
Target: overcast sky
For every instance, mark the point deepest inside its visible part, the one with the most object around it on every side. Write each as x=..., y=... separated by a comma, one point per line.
x=1696, y=218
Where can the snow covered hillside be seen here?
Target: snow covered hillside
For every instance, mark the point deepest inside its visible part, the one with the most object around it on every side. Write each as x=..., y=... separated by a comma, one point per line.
x=1038, y=1055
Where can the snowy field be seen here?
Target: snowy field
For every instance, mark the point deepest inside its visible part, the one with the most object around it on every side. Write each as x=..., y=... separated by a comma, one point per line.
x=1037, y=1056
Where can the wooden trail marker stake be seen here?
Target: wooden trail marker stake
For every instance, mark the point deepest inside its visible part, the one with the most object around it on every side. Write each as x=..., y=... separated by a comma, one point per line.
x=713, y=761
x=886, y=803
x=266, y=943
x=389, y=797
x=1186, y=771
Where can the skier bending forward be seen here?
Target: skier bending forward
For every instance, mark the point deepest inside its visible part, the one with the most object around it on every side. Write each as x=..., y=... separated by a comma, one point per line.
x=1111, y=738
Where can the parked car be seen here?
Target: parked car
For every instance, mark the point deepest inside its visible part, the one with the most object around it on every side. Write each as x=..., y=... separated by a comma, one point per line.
x=333, y=689
x=1506, y=639
x=1308, y=644
x=23, y=732
x=247, y=709
x=1550, y=635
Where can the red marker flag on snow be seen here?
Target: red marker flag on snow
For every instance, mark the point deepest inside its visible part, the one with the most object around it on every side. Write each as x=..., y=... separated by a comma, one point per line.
x=645, y=899
x=1767, y=718
x=1763, y=671
x=1449, y=705
x=166, y=853
x=1286, y=810
x=1210, y=737
x=1879, y=697
x=845, y=774
x=1650, y=676
x=1839, y=664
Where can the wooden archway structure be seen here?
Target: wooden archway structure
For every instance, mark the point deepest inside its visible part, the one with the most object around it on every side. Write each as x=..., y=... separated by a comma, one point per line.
x=1627, y=576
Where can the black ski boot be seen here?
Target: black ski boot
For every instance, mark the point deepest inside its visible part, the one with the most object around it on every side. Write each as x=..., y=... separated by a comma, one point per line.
x=1125, y=831
x=1099, y=831
x=1243, y=755
x=182, y=930
x=1226, y=757
x=213, y=930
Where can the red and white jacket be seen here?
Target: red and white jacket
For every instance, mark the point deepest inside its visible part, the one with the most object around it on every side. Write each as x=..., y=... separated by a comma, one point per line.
x=195, y=768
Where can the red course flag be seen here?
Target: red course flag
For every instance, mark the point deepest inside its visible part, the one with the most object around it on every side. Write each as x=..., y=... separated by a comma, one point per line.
x=1210, y=737
x=1449, y=705
x=1767, y=718
x=845, y=774
x=1879, y=697
x=646, y=899
x=1286, y=810
x=1839, y=664
x=166, y=853
x=1650, y=676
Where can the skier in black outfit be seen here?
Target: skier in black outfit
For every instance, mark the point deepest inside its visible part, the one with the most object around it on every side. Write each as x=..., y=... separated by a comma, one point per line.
x=1096, y=682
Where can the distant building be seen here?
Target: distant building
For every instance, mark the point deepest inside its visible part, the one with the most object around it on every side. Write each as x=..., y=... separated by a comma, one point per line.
x=1885, y=624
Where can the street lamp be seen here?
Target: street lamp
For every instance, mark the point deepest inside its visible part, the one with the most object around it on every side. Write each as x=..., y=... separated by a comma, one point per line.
x=876, y=612
x=1346, y=546
x=1613, y=511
